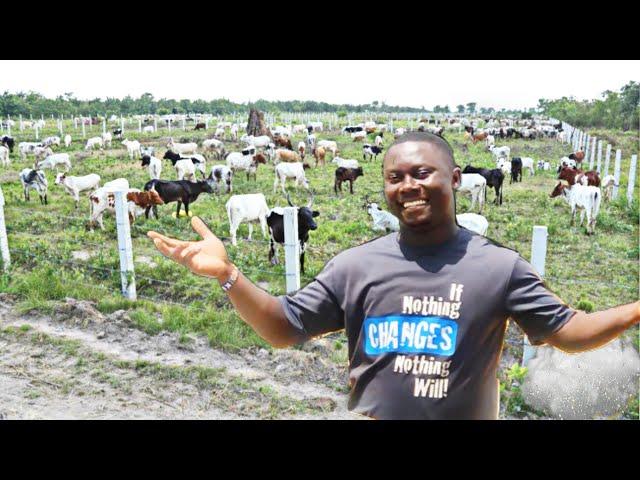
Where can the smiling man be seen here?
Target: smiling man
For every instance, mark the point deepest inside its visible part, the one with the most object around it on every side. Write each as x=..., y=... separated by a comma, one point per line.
x=425, y=310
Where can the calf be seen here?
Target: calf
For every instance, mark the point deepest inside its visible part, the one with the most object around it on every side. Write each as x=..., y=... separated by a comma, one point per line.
x=382, y=220
x=144, y=201
x=608, y=182
x=283, y=155
x=494, y=179
x=301, y=149
x=247, y=208
x=578, y=157
x=319, y=153
x=103, y=199
x=525, y=162
x=585, y=198
x=275, y=220
x=75, y=185
x=370, y=151
x=200, y=126
x=55, y=160
x=181, y=191
x=154, y=164
x=34, y=180
x=516, y=170
x=344, y=175
x=222, y=174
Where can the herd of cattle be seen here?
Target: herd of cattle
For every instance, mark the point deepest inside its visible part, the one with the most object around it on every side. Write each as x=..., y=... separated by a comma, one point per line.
x=581, y=190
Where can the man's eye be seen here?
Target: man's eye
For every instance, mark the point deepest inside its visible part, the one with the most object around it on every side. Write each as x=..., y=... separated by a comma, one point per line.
x=423, y=173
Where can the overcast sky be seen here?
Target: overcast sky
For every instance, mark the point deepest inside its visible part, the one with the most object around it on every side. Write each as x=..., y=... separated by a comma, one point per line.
x=499, y=84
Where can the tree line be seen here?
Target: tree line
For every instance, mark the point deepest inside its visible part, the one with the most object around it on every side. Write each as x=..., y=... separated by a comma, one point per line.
x=35, y=104
x=616, y=110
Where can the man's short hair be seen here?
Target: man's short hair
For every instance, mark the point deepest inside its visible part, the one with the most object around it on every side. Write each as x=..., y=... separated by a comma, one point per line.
x=427, y=137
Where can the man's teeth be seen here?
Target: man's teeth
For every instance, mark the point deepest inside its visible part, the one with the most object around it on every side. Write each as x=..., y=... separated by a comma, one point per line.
x=414, y=203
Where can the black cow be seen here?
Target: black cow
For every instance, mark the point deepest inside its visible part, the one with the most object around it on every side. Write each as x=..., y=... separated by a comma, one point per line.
x=200, y=126
x=117, y=133
x=370, y=150
x=493, y=177
x=181, y=191
x=305, y=223
x=8, y=142
x=516, y=170
x=352, y=129
x=346, y=175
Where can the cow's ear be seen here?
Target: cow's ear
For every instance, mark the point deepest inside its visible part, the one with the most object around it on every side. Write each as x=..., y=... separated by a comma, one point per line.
x=315, y=213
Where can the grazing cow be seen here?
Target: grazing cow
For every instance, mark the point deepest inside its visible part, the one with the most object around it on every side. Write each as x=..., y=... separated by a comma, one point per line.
x=319, y=153
x=490, y=140
x=370, y=151
x=475, y=185
x=344, y=175
x=358, y=136
x=378, y=141
x=182, y=148
x=352, y=129
x=47, y=142
x=578, y=157
x=75, y=185
x=526, y=162
x=249, y=208
x=301, y=149
x=67, y=140
x=329, y=145
x=516, y=170
x=154, y=164
x=143, y=201
x=117, y=133
x=261, y=141
x=56, y=159
x=275, y=220
x=283, y=155
x=494, y=179
x=93, y=141
x=574, y=175
x=290, y=170
x=222, y=174
x=479, y=136
x=181, y=191
x=500, y=152
x=215, y=146
x=345, y=162
x=566, y=162
x=106, y=138
x=585, y=198
x=200, y=126
x=284, y=142
x=474, y=222
x=382, y=220
x=34, y=180
x=8, y=142
x=103, y=199
x=236, y=161
x=133, y=148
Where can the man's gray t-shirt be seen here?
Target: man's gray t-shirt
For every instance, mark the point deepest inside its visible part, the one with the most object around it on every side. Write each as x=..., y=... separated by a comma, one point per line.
x=425, y=325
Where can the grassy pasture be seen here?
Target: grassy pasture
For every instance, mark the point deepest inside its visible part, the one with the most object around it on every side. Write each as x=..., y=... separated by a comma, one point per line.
x=45, y=240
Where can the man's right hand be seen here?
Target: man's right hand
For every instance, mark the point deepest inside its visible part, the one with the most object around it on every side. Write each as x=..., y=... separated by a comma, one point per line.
x=206, y=257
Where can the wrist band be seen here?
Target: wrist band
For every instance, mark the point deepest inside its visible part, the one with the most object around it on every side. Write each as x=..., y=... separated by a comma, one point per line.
x=231, y=280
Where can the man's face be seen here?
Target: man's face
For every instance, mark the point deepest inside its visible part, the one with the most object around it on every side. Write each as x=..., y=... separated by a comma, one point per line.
x=418, y=184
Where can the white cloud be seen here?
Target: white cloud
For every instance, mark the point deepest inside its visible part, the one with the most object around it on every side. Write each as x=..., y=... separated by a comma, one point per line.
x=498, y=84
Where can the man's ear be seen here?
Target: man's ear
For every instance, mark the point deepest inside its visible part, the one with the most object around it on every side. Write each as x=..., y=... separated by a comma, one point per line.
x=456, y=178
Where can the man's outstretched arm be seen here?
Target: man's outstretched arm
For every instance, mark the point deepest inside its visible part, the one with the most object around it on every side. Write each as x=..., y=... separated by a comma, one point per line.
x=586, y=331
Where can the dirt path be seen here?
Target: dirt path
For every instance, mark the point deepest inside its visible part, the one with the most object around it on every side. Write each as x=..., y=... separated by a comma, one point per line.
x=81, y=364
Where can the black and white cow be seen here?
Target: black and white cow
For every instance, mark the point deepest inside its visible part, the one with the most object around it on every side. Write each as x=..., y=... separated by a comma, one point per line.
x=34, y=180
x=275, y=221
x=8, y=142
x=370, y=151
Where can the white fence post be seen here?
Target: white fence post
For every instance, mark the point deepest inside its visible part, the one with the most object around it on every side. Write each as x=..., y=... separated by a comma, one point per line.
x=538, y=256
x=37, y=132
x=593, y=153
x=632, y=179
x=122, y=125
x=127, y=273
x=140, y=125
x=155, y=124
x=21, y=125
x=104, y=125
x=4, y=244
x=606, y=161
x=9, y=125
x=169, y=125
x=84, y=133
x=599, y=163
x=291, y=249
x=616, y=174
x=75, y=122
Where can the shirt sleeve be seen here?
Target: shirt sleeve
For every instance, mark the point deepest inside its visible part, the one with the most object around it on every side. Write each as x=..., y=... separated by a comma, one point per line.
x=538, y=311
x=315, y=308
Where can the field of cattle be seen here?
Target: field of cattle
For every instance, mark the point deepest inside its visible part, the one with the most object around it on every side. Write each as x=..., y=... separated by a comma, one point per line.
x=55, y=256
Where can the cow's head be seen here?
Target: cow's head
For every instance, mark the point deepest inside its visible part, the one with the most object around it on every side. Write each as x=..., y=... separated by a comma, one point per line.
x=559, y=190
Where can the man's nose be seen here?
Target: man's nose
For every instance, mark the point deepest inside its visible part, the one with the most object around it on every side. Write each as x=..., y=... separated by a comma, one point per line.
x=408, y=183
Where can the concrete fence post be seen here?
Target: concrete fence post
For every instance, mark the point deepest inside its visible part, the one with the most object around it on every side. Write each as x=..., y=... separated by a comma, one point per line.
x=599, y=163
x=122, y=125
x=155, y=124
x=291, y=249
x=538, y=256
x=4, y=243
x=104, y=126
x=140, y=125
x=606, y=161
x=632, y=179
x=593, y=152
x=127, y=273
x=37, y=131
x=616, y=173
x=84, y=133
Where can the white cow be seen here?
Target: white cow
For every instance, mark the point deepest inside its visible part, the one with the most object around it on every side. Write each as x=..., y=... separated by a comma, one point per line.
x=103, y=199
x=474, y=222
x=4, y=156
x=290, y=170
x=54, y=160
x=182, y=148
x=247, y=208
x=475, y=185
x=75, y=185
x=93, y=141
x=133, y=148
x=587, y=199
x=67, y=140
x=383, y=220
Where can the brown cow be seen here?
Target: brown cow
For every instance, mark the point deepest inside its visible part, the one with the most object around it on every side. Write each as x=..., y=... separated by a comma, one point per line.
x=578, y=157
x=575, y=175
x=284, y=142
x=318, y=154
x=479, y=136
x=200, y=126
